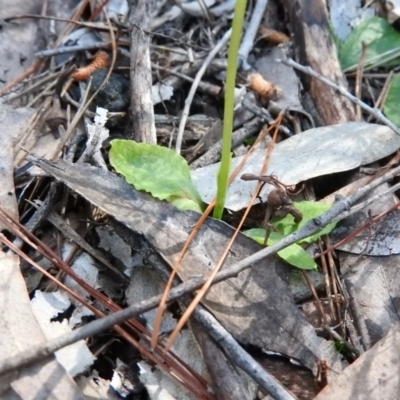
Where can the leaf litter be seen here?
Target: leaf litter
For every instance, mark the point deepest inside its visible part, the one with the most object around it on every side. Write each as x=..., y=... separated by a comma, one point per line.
x=256, y=307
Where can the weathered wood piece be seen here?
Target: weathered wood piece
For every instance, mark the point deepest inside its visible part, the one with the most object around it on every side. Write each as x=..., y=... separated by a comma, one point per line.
x=142, y=111
x=314, y=47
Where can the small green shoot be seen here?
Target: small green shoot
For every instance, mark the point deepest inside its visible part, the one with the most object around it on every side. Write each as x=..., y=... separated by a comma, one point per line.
x=157, y=170
x=223, y=173
x=294, y=254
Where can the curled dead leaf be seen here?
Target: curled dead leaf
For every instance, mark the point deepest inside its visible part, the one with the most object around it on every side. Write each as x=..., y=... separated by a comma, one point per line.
x=272, y=36
x=262, y=87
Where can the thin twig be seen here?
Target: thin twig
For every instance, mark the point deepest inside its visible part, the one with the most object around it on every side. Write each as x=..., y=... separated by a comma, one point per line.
x=366, y=203
x=195, y=84
x=241, y=358
x=264, y=115
x=71, y=49
x=318, y=303
x=373, y=111
x=327, y=284
x=251, y=32
x=359, y=76
x=380, y=101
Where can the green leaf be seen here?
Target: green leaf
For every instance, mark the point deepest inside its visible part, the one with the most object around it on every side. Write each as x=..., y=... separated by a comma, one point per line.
x=382, y=40
x=157, y=170
x=294, y=254
x=392, y=103
x=310, y=210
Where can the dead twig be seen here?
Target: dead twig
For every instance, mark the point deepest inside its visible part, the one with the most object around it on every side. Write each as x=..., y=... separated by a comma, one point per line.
x=240, y=357
x=248, y=39
x=142, y=110
x=376, y=113
x=213, y=154
x=195, y=84
x=264, y=115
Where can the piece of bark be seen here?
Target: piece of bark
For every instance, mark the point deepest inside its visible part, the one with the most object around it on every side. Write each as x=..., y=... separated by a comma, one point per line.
x=142, y=111
x=314, y=47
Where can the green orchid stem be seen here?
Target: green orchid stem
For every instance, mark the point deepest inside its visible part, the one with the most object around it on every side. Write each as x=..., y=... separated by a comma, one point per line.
x=223, y=173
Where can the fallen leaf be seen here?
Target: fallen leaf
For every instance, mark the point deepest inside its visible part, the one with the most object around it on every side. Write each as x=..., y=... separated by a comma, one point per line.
x=380, y=38
x=19, y=330
x=316, y=152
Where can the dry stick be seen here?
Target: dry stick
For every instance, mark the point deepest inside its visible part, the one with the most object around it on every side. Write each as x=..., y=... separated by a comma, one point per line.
x=209, y=88
x=367, y=202
x=240, y=357
x=39, y=352
x=195, y=84
x=264, y=115
x=380, y=101
x=327, y=284
x=332, y=268
x=373, y=111
x=72, y=49
x=358, y=318
x=213, y=153
x=359, y=76
x=315, y=295
x=91, y=25
x=247, y=44
x=142, y=109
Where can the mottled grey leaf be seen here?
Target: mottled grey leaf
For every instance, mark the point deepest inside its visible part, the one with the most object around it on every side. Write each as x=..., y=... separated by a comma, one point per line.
x=316, y=152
